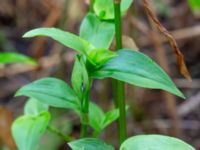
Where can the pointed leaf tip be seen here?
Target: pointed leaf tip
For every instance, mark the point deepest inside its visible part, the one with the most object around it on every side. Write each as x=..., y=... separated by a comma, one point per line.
x=138, y=69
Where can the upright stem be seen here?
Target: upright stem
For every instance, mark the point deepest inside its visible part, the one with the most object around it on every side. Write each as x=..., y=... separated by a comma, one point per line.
x=91, y=5
x=119, y=91
x=85, y=111
x=86, y=99
x=85, y=119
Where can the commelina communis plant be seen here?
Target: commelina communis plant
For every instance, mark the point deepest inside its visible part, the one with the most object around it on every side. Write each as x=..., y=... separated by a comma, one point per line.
x=94, y=60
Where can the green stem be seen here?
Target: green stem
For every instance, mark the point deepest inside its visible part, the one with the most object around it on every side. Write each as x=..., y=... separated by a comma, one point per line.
x=119, y=91
x=92, y=6
x=85, y=111
x=84, y=124
x=60, y=134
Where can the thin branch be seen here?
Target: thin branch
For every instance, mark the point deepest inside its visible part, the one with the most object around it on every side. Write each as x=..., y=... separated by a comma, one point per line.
x=179, y=56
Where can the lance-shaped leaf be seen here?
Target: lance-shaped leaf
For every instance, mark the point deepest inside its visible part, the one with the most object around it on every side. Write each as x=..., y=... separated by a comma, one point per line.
x=35, y=107
x=103, y=119
x=80, y=78
x=138, y=69
x=68, y=39
x=27, y=130
x=105, y=8
x=72, y=41
x=110, y=117
x=97, y=32
x=90, y=144
x=8, y=57
x=51, y=91
x=154, y=142
x=96, y=117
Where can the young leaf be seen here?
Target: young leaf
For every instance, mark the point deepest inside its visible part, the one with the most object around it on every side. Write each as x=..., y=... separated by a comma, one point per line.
x=154, y=142
x=100, y=120
x=51, y=91
x=90, y=144
x=8, y=57
x=110, y=117
x=27, y=130
x=79, y=77
x=97, y=32
x=105, y=8
x=34, y=107
x=96, y=117
x=100, y=56
x=68, y=39
x=138, y=69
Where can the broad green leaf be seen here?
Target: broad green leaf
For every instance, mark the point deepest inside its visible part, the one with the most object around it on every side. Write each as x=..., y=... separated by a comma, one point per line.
x=68, y=39
x=27, y=130
x=105, y=8
x=90, y=144
x=51, y=91
x=138, y=69
x=79, y=78
x=195, y=6
x=154, y=142
x=96, y=117
x=8, y=57
x=34, y=107
x=110, y=117
x=97, y=32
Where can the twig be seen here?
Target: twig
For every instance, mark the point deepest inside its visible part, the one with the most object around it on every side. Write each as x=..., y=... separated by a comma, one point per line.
x=162, y=59
x=179, y=56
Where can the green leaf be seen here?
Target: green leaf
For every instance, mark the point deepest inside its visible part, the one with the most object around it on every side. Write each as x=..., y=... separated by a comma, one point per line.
x=96, y=117
x=51, y=91
x=68, y=39
x=34, y=107
x=110, y=117
x=195, y=6
x=90, y=144
x=80, y=77
x=27, y=130
x=154, y=142
x=100, y=120
x=138, y=69
x=105, y=8
x=100, y=56
x=97, y=32
x=8, y=57
x=72, y=41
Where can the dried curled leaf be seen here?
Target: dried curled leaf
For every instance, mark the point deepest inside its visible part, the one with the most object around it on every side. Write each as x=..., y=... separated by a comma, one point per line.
x=179, y=56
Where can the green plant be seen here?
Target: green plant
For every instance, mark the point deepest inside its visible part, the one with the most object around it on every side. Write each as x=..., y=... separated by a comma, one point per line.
x=93, y=61
x=8, y=57
x=195, y=6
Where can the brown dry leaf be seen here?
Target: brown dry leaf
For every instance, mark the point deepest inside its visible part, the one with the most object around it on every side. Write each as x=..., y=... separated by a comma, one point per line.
x=6, y=119
x=179, y=56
